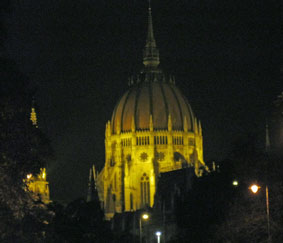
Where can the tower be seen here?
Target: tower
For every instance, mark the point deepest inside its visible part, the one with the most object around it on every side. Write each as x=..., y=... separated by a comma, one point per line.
x=152, y=130
x=38, y=184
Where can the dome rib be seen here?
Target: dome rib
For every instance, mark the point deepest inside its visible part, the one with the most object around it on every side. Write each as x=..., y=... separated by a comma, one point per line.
x=165, y=103
x=190, y=113
x=178, y=103
x=115, y=112
x=123, y=109
x=158, y=99
x=138, y=91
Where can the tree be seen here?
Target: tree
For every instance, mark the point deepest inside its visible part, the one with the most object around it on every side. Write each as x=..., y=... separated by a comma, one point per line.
x=215, y=210
x=202, y=207
x=246, y=219
x=79, y=221
x=24, y=149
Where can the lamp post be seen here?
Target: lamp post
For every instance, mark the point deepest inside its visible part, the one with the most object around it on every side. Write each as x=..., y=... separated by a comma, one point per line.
x=158, y=234
x=144, y=216
x=254, y=188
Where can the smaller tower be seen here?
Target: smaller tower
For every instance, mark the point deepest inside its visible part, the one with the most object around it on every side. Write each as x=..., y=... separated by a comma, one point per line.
x=38, y=184
x=33, y=117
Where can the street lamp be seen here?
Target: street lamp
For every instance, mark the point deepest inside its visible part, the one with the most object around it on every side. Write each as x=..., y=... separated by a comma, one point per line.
x=158, y=234
x=144, y=216
x=254, y=188
x=235, y=183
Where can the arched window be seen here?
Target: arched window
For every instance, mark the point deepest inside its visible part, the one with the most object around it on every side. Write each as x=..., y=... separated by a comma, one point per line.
x=145, y=191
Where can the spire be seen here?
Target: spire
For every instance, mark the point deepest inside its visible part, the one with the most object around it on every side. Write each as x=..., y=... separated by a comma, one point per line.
x=150, y=53
x=196, y=126
x=33, y=116
x=267, y=139
x=92, y=192
x=199, y=128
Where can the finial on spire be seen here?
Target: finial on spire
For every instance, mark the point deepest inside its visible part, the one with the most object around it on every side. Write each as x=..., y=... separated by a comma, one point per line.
x=150, y=53
x=33, y=117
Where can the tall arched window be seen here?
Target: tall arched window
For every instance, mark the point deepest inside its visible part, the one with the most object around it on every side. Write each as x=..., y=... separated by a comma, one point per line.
x=145, y=191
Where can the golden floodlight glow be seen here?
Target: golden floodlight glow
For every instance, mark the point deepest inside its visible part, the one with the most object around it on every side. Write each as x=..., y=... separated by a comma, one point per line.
x=145, y=216
x=254, y=188
x=29, y=176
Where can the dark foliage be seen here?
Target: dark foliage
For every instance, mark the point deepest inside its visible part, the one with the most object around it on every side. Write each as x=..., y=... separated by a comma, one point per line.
x=216, y=211
x=246, y=218
x=23, y=149
x=203, y=206
x=79, y=221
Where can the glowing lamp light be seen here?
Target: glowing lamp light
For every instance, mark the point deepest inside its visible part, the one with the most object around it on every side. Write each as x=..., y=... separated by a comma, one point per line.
x=235, y=183
x=158, y=233
x=29, y=176
x=254, y=188
x=145, y=216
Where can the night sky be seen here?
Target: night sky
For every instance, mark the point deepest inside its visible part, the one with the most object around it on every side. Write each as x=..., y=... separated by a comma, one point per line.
x=225, y=56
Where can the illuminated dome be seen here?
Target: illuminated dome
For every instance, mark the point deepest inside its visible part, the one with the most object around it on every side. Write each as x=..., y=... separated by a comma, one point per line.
x=153, y=130
x=153, y=94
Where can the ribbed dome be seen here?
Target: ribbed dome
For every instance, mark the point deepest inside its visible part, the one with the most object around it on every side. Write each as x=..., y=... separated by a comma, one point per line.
x=155, y=95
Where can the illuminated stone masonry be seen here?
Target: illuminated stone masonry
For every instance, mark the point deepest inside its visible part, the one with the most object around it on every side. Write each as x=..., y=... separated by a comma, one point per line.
x=38, y=184
x=153, y=130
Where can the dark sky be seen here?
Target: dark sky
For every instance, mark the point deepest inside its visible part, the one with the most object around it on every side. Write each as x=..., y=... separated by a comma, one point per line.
x=225, y=56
